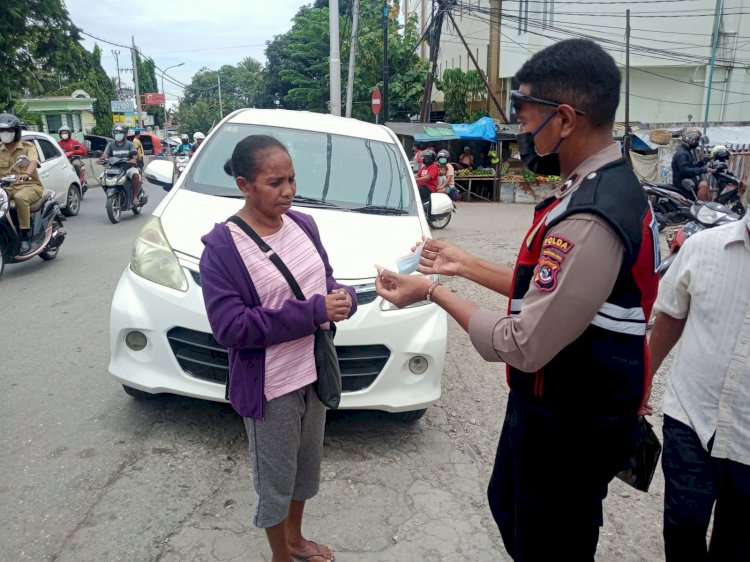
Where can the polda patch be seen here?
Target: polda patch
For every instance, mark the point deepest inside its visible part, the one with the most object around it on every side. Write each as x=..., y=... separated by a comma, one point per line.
x=562, y=245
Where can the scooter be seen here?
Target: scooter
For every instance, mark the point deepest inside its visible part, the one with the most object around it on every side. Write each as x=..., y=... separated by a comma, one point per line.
x=82, y=174
x=117, y=186
x=181, y=163
x=671, y=204
x=728, y=187
x=439, y=211
x=47, y=233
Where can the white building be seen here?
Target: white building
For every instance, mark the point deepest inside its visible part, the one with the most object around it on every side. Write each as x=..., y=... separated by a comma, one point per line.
x=671, y=49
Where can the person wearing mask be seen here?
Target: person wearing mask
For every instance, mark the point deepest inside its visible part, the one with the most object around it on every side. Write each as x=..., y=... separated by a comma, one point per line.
x=71, y=147
x=253, y=312
x=123, y=148
x=198, y=138
x=574, y=336
x=427, y=176
x=686, y=167
x=28, y=187
x=704, y=304
x=184, y=148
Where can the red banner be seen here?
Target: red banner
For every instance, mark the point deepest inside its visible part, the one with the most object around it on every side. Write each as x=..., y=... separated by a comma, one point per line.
x=153, y=99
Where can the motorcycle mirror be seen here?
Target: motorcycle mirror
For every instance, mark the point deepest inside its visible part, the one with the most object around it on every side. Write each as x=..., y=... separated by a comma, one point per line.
x=704, y=140
x=23, y=161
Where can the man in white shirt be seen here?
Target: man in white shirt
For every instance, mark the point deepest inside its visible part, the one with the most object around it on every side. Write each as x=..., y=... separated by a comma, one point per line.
x=704, y=301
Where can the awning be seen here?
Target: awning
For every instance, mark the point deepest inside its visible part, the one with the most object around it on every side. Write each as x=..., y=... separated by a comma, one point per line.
x=481, y=129
x=424, y=132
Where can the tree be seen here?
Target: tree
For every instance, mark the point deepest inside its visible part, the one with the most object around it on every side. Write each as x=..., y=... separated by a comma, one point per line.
x=98, y=85
x=461, y=89
x=198, y=116
x=147, y=84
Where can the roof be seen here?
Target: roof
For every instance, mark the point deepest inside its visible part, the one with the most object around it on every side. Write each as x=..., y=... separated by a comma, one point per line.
x=309, y=121
x=59, y=103
x=730, y=136
x=424, y=132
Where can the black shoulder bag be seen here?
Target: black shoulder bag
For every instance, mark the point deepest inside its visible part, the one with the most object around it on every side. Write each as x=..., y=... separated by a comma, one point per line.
x=641, y=465
x=328, y=385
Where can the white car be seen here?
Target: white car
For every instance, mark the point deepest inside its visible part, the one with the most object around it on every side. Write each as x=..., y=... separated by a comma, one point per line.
x=56, y=172
x=354, y=179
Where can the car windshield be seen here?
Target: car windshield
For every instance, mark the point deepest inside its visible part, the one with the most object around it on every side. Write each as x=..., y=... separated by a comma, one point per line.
x=332, y=170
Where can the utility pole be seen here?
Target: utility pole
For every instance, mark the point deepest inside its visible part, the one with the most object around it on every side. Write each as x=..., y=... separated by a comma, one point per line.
x=134, y=53
x=437, y=27
x=221, y=103
x=714, y=46
x=384, y=111
x=481, y=73
x=494, y=56
x=628, y=139
x=334, y=61
x=117, y=64
x=352, y=59
x=423, y=20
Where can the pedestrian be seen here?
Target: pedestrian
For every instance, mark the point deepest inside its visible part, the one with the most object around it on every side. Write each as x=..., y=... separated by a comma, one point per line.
x=574, y=337
x=704, y=303
x=270, y=336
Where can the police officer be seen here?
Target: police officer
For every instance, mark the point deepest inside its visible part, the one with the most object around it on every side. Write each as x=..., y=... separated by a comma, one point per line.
x=574, y=334
x=28, y=188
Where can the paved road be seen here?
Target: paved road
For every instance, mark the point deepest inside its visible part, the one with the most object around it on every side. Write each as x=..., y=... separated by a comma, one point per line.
x=87, y=473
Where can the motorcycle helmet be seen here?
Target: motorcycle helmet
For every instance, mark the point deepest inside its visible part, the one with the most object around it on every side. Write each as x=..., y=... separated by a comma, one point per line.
x=9, y=121
x=443, y=157
x=691, y=137
x=428, y=156
x=184, y=138
x=198, y=137
x=64, y=130
x=720, y=153
x=119, y=132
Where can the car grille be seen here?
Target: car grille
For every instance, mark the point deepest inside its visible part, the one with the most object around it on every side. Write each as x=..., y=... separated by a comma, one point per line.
x=200, y=356
x=365, y=296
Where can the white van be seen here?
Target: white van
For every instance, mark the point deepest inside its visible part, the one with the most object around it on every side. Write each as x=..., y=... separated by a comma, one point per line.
x=354, y=179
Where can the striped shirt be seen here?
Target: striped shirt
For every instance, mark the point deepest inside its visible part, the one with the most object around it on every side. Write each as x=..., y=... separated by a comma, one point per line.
x=289, y=365
x=709, y=385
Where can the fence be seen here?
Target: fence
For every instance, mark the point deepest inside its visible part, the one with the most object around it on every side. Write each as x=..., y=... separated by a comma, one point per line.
x=739, y=163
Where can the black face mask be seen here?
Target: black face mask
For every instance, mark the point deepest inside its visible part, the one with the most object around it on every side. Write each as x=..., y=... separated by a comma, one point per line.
x=544, y=164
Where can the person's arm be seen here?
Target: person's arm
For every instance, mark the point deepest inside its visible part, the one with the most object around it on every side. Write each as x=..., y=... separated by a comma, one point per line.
x=107, y=152
x=78, y=150
x=30, y=153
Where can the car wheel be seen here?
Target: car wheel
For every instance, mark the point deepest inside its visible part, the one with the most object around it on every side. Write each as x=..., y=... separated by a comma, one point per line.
x=73, y=203
x=409, y=417
x=137, y=394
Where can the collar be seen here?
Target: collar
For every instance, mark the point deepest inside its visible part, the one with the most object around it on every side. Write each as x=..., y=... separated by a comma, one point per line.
x=597, y=160
x=737, y=233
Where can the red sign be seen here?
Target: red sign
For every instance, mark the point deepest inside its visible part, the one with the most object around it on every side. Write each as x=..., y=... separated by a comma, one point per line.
x=377, y=101
x=153, y=99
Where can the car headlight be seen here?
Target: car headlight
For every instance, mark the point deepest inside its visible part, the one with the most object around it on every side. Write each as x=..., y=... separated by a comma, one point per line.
x=153, y=258
x=386, y=306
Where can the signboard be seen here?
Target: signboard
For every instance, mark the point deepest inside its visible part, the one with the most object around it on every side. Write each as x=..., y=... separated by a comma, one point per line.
x=127, y=120
x=122, y=106
x=153, y=99
x=377, y=101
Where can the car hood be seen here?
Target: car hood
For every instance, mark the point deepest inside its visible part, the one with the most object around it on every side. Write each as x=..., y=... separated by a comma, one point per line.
x=354, y=241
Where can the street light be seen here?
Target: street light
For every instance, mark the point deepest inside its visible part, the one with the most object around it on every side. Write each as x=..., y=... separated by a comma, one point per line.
x=163, y=91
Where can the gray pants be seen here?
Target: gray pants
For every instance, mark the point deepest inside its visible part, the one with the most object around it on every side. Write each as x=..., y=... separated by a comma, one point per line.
x=286, y=449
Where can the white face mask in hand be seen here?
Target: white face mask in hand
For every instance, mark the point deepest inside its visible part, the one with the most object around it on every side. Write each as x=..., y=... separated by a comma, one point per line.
x=410, y=262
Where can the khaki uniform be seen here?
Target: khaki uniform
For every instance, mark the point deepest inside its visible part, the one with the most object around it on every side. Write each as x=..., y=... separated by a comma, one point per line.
x=25, y=193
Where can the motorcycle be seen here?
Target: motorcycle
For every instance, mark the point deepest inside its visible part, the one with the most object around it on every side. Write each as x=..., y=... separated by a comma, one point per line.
x=728, y=187
x=81, y=174
x=181, y=162
x=117, y=186
x=47, y=233
x=671, y=204
x=439, y=210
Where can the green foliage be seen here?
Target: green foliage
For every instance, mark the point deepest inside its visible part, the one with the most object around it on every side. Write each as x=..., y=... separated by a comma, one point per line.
x=197, y=116
x=147, y=84
x=460, y=90
x=97, y=84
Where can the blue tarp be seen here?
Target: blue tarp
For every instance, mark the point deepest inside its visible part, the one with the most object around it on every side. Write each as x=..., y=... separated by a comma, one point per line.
x=481, y=129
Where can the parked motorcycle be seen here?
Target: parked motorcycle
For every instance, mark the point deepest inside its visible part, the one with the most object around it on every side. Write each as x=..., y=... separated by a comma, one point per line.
x=728, y=187
x=116, y=185
x=47, y=233
x=671, y=204
x=439, y=211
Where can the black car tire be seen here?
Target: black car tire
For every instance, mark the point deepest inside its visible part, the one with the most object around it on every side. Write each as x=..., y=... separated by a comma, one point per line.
x=73, y=203
x=410, y=416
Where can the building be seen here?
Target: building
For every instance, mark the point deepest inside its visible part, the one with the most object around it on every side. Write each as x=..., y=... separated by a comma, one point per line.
x=75, y=111
x=670, y=57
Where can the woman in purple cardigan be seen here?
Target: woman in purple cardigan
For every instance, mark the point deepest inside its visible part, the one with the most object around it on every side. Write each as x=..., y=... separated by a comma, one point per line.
x=270, y=336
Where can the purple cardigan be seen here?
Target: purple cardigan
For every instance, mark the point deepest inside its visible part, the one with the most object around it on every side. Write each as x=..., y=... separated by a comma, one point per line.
x=241, y=324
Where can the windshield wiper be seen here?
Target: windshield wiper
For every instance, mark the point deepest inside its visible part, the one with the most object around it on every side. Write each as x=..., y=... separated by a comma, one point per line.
x=231, y=195
x=380, y=210
x=312, y=201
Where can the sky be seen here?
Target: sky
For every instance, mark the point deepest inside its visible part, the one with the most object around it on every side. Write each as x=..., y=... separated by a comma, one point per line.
x=198, y=33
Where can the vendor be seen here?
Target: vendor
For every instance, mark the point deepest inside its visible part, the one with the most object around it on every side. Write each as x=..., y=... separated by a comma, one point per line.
x=466, y=159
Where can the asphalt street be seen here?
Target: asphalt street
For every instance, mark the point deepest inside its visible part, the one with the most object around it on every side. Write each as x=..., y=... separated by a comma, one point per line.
x=89, y=474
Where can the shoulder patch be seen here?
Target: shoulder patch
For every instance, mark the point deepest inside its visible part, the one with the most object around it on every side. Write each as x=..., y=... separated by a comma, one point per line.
x=546, y=271
x=557, y=243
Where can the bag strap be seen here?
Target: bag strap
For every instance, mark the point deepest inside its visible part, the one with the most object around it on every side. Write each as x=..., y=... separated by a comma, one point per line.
x=270, y=254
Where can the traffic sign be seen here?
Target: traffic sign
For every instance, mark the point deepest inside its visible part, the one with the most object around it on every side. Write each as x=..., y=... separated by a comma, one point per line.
x=119, y=106
x=377, y=101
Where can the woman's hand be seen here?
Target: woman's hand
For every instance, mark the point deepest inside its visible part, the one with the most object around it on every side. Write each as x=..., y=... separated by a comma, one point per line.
x=442, y=258
x=338, y=305
x=401, y=290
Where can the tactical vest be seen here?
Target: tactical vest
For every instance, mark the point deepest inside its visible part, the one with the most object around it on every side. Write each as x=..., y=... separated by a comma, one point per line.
x=603, y=372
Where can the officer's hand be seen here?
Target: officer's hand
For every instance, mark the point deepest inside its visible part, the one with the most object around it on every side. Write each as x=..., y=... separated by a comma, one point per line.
x=401, y=290
x=441, y=258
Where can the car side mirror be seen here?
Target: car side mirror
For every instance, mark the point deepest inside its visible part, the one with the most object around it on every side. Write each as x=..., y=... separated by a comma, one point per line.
x=160, y=172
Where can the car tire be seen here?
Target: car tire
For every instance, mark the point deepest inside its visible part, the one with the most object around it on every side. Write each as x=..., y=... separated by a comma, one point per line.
x=136, y=393
x=409, y=417
x=73, y=203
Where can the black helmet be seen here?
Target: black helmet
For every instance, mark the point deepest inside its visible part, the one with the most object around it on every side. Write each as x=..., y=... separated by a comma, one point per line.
x=9, y=121
x=428, y=156
x=443, y=157
x=720, y=153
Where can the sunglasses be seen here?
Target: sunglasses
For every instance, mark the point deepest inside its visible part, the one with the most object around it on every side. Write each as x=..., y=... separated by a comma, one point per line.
x=517, y=99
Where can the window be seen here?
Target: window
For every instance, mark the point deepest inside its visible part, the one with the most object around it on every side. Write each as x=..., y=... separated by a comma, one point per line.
x=54, y=122
x=49, y=150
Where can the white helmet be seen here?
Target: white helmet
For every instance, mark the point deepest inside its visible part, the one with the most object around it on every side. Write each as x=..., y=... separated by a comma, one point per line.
x=198, y=136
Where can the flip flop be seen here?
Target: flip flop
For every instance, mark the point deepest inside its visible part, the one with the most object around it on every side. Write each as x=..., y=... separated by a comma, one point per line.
x=318, y=552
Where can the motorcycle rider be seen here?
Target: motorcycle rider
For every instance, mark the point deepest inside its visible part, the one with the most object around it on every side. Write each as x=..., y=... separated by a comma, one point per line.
x=686, y=167
x=198, y=138
x=427, y=177
x=28, y=187
x=123, y=148
x=72, y=147
x=184, y=148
